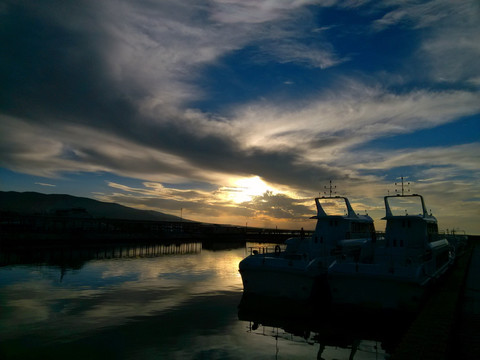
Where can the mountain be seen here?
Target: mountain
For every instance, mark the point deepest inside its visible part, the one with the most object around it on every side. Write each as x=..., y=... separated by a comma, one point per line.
x=29, y=203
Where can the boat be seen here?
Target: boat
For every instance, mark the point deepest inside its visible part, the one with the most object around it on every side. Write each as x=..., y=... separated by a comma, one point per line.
x=299, y=272
x=396, y=271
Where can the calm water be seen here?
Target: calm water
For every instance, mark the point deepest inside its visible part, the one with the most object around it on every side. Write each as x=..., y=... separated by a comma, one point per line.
x=159, y=302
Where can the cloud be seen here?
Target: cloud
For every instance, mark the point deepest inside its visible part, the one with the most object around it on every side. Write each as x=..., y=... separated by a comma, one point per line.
x=351, y=116
x=417, y=15
x=110, y=60
x=452, y=160
x=79, y=148
x=293, y=52
x=115, y=87
x=44, y=184
x=449, y=45
x=293, y=147
x=281, y=206
x=252, y=12
x=260, y=209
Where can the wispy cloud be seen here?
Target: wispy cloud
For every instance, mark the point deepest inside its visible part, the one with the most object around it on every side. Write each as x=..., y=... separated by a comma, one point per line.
x=126, y=87
x=251, y=11
x=414, y=14
x=450, y=31
x=44, y=184
x=260, y=210
x=461, y=157
x=292, y=52
x=353, y=116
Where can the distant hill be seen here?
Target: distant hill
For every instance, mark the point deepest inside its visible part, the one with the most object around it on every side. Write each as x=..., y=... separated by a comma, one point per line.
x=30, y=203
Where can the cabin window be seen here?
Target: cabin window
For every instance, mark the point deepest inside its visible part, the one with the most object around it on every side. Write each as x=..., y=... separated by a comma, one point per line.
x=360, y=227
x=432, y=230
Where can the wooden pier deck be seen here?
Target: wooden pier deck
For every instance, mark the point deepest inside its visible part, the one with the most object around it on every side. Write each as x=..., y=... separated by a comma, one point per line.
x=448, y=327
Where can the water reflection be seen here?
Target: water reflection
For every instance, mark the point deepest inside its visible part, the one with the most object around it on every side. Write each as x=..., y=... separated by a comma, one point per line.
x=339, y=333
x=176, y=301
x=67, y=294
x=75, y=256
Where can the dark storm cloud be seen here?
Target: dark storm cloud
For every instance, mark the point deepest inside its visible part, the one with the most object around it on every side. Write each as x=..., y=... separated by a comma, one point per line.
x=50, y=72
x=222, y=153
x=57, y=74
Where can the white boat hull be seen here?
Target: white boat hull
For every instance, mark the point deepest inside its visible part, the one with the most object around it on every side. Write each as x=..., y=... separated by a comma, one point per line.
x=279, y=277
x=384, y=286
x=277, y=283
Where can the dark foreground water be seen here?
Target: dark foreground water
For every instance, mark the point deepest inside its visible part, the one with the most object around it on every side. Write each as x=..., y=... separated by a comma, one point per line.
x=178, y=301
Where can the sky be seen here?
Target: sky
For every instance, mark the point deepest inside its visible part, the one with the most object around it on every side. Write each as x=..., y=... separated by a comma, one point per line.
x=242, y=111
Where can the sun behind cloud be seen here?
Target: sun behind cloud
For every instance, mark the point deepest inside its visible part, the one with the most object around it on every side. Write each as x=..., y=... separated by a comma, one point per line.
x=244, y=189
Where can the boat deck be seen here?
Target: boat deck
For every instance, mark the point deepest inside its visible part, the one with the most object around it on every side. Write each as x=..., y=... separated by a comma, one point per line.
x=448, y=327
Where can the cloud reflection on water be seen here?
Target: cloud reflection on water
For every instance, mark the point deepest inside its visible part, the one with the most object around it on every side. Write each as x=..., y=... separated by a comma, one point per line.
x=108, y=293
x=177, y=306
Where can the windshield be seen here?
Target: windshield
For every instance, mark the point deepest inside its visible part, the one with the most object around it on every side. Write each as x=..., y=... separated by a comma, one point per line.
x=334, y=206
x=411, y=205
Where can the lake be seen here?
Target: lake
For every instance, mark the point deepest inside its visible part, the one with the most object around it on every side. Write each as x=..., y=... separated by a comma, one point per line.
x=177, y=301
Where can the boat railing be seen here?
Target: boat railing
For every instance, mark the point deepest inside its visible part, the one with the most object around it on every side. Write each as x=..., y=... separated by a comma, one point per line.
x=265, y=249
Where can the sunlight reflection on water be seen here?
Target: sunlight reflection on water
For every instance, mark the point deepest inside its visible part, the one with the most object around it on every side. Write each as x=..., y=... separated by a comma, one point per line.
x=181, y=305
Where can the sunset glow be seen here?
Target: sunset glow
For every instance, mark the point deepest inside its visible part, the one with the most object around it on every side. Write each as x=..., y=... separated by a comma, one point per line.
x=245, y=189
x=242, y=111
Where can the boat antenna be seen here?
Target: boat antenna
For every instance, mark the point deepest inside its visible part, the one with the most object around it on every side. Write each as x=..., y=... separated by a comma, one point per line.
x=403, y=186
x=331, y=189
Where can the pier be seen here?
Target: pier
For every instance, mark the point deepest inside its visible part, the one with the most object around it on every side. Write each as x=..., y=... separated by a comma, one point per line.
x=58, y=229
x=448, y=326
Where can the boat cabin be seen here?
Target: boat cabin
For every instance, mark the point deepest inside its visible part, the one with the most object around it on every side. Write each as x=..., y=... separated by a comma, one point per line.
x=408, y=223
x=337, y=221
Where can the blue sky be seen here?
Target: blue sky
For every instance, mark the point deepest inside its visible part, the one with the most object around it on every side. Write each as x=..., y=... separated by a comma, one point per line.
x=240, y=111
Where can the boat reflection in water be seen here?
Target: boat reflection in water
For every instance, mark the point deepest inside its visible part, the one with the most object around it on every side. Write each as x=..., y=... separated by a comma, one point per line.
x=339, y=334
